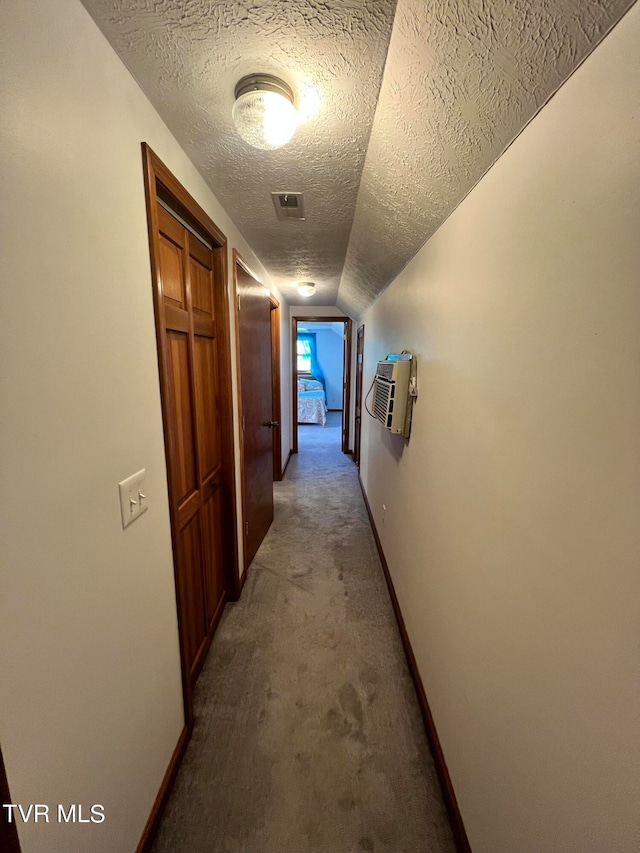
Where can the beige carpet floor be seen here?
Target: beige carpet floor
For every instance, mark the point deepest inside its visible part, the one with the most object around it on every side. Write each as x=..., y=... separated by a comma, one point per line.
x=308, y=735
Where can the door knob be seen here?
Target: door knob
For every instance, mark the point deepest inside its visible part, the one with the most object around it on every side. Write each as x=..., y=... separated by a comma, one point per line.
x=271, y=424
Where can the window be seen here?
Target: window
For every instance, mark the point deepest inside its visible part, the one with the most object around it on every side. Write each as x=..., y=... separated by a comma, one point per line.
x=304, y=356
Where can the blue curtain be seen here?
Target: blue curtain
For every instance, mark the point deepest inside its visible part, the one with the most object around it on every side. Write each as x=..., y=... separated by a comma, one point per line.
x=316, y=370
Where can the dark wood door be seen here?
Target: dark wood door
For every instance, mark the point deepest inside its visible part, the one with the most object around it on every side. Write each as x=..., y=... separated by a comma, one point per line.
x=254, y=344
x=192, y=415
x=358, y=400
x=9, y=842
x=346, y=385
x=275, y=388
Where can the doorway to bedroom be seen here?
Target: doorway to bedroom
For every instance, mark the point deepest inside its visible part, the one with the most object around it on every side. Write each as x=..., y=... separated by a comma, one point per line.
x=321, y=362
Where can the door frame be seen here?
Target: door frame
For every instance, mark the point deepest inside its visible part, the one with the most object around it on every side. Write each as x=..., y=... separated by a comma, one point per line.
x=346, y=375
x=161, y=184
x=276, y=397
x=357, y=436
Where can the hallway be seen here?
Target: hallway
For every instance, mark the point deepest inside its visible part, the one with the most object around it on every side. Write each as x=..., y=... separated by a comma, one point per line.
x=308, y=735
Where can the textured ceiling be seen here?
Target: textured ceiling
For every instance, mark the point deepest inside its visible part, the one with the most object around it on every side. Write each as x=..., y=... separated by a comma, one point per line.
x=462, y=78
x=187, y=55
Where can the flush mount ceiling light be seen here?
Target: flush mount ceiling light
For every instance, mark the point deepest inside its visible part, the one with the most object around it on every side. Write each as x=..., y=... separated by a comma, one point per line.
x=264, y=114
x=306, y=288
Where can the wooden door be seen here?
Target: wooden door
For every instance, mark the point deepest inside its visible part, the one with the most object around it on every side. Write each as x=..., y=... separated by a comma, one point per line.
x=192, y=414
x=276, y=399
x=358, y=400
x=346, y=385
x=254, y=346
x=9, y=842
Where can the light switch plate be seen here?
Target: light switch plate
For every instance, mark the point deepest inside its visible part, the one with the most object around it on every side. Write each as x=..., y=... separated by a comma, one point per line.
x=133, y=497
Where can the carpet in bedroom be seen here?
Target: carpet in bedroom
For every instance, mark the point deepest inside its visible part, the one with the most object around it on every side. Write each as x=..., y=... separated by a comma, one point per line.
x=308, y=735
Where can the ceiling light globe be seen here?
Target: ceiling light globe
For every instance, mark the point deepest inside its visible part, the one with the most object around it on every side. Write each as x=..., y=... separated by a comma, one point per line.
x=264, y=118
x=306, y=288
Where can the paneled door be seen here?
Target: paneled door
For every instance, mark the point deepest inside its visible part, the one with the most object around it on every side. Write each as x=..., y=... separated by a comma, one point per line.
x=254, y=348
x=192, y=411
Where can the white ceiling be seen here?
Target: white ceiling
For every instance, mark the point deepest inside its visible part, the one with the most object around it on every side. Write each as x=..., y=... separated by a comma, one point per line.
x=462, y=78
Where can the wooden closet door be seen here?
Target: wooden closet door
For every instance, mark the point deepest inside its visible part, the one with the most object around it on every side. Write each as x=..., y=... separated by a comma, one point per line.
x=208, y=427
x=193, y=431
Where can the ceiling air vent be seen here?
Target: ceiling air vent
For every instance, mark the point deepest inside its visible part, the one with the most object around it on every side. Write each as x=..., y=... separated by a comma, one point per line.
x=288, y=205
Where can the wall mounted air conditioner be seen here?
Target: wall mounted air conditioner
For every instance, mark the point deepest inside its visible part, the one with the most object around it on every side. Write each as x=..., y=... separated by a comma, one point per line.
x=391, y=393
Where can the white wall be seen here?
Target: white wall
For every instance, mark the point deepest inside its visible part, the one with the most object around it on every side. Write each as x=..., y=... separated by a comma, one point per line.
x=315, y=311
x=330, y=351
x=91, y=705
x=511, y=527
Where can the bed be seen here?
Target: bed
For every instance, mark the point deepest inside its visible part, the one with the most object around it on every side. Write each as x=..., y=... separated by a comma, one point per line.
x=312, y=403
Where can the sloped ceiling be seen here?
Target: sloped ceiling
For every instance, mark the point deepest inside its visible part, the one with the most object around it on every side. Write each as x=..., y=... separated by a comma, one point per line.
x=391, y=151
x=462, y=79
